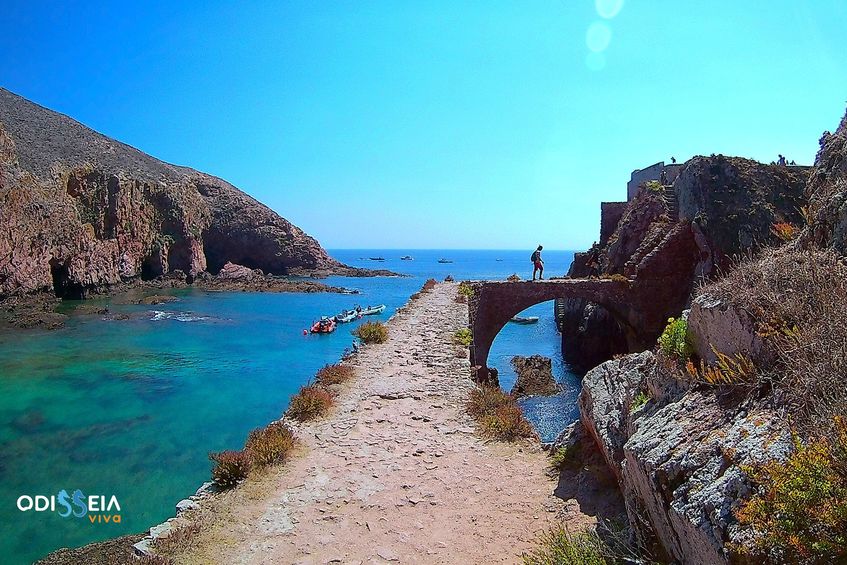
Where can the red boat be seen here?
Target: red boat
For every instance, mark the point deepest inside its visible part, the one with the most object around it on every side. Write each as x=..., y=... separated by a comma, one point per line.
x=323, y=326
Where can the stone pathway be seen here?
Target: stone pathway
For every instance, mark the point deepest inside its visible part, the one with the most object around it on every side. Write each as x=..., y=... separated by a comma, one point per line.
x=395, y=474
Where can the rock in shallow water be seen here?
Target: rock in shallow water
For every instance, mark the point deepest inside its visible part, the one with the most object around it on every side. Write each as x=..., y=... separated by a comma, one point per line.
x=535, y=376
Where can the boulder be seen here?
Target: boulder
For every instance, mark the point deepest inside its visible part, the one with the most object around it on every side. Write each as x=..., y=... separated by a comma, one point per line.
x=233, y=272
x=715, y=325
x=679, y=457
x=605, y=400
x=827, y=192
x=535, y=376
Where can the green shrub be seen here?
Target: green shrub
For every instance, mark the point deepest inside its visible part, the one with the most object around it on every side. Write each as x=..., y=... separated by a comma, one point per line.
x=617, y=277
x=372, y=332
x=334, y=374
x=229, y=468
x=566, y=457
x=653, y=186
x=639, y=400
x=313, y=401
x=674, y=341
x=800, y=507
x=465, y=289
x=269, y=445
x=463, y=337
x=558, y=546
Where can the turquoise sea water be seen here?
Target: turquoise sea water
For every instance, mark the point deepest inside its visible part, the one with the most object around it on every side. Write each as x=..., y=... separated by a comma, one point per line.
x=131, y=408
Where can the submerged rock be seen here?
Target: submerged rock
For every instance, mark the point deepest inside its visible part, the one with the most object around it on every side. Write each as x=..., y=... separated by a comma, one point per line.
x=535, y=376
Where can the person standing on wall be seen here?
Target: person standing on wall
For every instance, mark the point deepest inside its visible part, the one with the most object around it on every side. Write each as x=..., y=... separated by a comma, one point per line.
x=537, y=263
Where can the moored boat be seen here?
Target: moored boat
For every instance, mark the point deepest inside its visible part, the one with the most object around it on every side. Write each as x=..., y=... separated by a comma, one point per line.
x=323, y=326
x=347, y=316
x=524, y=319
x=443, y=260
x=407, y=258
x=371, y=310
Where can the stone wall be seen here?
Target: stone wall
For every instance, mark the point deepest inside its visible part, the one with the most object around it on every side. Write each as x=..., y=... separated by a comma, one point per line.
x=610, y=216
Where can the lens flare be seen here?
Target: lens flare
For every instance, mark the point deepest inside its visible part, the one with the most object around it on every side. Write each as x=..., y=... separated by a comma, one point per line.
x=598, y=37
x=608, y=9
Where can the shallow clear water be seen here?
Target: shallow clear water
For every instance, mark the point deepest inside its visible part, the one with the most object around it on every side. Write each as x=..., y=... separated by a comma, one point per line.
x=132, y=407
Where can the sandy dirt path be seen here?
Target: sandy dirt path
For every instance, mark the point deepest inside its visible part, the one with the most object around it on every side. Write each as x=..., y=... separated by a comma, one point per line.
x=396, y=473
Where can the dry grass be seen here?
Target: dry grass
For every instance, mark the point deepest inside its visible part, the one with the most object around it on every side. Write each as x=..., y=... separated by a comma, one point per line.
x=231, y=467
x=334, y=374
x=497, y=414
x=178, y=540
x=372, y=332
x=797, y=299
x=313, y=401
x=270, y=445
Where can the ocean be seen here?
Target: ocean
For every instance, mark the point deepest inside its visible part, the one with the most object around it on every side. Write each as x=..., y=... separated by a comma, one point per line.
x=132, y=407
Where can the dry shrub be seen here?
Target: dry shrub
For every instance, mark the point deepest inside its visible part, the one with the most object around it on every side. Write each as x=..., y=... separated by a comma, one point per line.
x=178, y=539
x=485, y=400
x=497, y=414
x=269, y=445
x=429, y=285
x=372, y=332
x=415, y=296
x=736, y=370
x=784, y=231
x=513, y=278
x=507, y=423
x=334, y=374
x=313, y=401
x=230, y=467
x=797, y=299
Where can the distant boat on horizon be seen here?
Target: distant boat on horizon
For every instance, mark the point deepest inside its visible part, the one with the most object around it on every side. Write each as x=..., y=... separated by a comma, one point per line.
x=443, y=260
x=377, y=258
x=407, y=258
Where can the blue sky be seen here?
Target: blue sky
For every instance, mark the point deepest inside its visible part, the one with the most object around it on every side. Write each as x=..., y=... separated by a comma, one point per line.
x=437, y=124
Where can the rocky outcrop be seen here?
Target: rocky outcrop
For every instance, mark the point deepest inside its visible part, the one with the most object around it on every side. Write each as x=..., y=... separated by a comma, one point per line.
x=678, y=454
x=80, y=212
x=535, y=376
x=669, y=238
x=716, y=326
x=827, y=192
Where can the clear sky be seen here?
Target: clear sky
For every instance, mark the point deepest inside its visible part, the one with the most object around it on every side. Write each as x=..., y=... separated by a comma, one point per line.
x=434, y=124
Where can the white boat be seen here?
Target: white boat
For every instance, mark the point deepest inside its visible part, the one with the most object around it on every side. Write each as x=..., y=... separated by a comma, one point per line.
x=524, y=319
x=371, y=310
x=347, y=316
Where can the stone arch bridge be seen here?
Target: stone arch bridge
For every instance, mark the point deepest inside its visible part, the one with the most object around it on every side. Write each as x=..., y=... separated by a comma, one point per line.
x=636, y=306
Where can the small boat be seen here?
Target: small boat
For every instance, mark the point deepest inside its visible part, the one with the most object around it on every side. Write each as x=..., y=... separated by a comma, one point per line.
x=371, y=310
x=407, y=258
x=347, y=316
x=524, y=319
x=323, y=326
x=442, y=260
x=377, y=258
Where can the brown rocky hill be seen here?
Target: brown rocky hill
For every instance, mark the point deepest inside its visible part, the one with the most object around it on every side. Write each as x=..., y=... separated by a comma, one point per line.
x=80, y=211
x=672, y=238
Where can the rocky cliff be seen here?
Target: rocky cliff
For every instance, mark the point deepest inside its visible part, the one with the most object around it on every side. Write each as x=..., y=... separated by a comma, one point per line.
x=672, y=237
x=762, y=368
x=80, y=212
